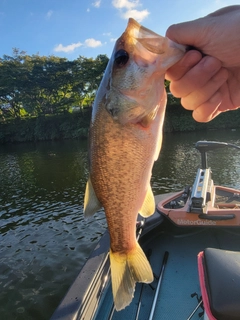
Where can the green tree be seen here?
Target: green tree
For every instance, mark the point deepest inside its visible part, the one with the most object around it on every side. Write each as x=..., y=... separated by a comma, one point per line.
x=11, y=72
x=87, y=75
x=47, y=85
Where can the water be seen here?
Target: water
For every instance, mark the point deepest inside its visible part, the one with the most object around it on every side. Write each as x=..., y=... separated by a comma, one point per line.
x=44, y=240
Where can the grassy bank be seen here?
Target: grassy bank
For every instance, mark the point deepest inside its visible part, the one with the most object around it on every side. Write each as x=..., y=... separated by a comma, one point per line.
x=180, y=120
x=56, y=127
x=75, y=125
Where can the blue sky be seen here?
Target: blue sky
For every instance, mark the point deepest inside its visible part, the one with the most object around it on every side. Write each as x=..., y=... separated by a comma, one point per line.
x=69, y=28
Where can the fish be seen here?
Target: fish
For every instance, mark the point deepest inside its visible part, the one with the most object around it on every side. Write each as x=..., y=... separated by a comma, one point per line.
x=125, y=138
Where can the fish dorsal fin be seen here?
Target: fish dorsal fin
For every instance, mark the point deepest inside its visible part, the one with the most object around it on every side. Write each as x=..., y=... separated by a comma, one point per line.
x=91, y=202
x=148, y=207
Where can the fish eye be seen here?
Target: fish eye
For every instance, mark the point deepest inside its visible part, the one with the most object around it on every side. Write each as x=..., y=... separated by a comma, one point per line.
x=121, y=57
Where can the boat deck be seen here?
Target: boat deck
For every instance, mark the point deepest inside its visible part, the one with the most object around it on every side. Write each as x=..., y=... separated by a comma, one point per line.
x=176, y=299
x=90, y=296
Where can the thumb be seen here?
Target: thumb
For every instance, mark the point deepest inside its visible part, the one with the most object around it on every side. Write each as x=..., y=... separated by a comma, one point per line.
x=186, y=33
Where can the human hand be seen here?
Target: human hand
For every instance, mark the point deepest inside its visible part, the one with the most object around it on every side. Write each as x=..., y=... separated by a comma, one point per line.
x=208, y=84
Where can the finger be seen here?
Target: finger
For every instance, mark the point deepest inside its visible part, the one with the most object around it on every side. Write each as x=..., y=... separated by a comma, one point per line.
x=224, y=11
x=226, y=103
x=196, y=77
x=208, y=110
x=219, y=102
x=185, y=32
x=233, y=87
x=200, y=96
x=190, y=59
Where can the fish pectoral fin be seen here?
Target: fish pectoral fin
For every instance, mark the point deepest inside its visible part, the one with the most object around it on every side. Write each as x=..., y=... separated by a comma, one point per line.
x=91, y=202
x=148, y=207
x=126, y=270
x=148, y=119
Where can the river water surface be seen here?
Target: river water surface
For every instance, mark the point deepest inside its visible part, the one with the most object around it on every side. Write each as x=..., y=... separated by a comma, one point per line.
x=44, y=239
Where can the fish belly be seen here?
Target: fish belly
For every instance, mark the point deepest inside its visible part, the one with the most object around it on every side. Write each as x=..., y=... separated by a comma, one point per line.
x=121, y=164
x=121, y=160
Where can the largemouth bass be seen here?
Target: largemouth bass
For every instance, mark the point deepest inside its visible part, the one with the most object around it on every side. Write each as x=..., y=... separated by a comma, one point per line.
x=125, y=140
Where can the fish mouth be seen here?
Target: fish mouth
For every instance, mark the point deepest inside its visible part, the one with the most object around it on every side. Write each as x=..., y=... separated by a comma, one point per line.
x=155, y=44
x=150, y=40
x=145, y=45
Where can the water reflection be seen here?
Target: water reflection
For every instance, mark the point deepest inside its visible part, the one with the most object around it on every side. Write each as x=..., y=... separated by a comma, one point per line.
x=179, y=161
x=44, y=238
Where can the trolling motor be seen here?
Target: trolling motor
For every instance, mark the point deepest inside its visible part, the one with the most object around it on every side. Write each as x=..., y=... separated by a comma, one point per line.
x=203, y=184
x=204, y=204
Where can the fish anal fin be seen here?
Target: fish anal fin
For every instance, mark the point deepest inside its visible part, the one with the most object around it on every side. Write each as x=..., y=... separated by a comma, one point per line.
x=91, y=202
x=126, y=270
x=148, y=207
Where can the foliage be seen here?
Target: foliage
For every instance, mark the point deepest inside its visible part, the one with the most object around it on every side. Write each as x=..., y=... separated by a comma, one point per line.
x=47, y=85
x=52, y=127
x=178, y=119
x=75, y=125
x=49, y=98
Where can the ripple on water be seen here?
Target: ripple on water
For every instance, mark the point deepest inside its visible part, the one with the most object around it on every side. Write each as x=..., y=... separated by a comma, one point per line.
x=44, y=239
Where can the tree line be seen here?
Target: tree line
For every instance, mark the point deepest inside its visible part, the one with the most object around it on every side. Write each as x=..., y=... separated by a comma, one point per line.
x=39, y=85
x=39, y=93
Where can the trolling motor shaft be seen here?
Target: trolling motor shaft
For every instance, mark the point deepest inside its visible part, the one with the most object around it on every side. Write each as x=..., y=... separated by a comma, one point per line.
x=203, y=184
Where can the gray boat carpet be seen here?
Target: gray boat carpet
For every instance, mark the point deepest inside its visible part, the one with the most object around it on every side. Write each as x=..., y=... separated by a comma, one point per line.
x=177, y=297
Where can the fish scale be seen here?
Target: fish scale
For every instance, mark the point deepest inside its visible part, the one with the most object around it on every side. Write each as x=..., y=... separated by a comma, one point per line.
x=125, y=140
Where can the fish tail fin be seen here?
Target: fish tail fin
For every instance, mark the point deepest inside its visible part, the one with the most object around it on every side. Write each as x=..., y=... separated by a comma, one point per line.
x=126, y=270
